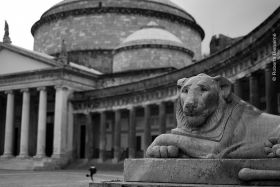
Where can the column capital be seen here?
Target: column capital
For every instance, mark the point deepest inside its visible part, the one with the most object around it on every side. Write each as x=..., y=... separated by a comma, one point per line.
x=147, y=105
x=235, y=81
x=132, y=107
x=118, y=110
x=63, y=87
x=174, y=100
x=43, y=88
x=253, y=75
x=9, y=92
x=25, y=90
x=161, y=103
x=268, y=67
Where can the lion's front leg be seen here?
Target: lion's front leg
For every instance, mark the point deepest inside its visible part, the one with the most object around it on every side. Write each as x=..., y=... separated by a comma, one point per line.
x=173, y=145
x=161, y=148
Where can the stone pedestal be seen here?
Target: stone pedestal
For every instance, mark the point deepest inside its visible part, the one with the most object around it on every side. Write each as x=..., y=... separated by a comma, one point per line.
x=203, y=171
x=141, y=184
x=198, y=173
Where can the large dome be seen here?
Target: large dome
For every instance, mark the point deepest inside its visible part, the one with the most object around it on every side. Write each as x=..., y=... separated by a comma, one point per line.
x=156, y=5
x=92, y=29
x=164, y=2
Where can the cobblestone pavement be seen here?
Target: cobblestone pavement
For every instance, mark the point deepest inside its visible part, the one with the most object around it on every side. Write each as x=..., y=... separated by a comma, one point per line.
x=63, y=178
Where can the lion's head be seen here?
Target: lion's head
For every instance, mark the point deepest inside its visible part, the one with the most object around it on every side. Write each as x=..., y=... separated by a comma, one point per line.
x=199, y=98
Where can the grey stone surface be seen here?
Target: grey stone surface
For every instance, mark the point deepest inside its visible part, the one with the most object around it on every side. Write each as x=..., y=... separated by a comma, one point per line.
x=197, y=171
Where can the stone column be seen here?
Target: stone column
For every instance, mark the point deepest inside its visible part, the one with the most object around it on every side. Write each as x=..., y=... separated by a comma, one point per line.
x=102, y=143
x=132, y=133
x=174, y=113
x=42, y=123
x=9, y=128
x=60, y=121
x=238, y=88
x=24, y=137
x=147, y=127
x=117, y=137
x=89, y=136
x=270, y=92
x=162, y=118
x=254, y=90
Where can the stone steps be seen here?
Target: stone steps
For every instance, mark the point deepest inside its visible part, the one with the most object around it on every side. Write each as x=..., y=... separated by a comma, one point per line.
x=84, y=164
x=16, y=164
x=30, y=164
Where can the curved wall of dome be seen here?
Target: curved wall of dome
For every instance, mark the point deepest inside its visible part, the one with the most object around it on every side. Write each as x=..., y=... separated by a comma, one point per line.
x=149, y=58
x=92, y=29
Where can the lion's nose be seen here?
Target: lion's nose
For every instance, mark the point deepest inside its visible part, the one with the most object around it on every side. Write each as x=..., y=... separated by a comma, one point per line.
x=190, y=106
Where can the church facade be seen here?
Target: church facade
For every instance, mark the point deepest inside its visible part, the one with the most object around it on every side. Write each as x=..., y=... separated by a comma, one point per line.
x=101, y=81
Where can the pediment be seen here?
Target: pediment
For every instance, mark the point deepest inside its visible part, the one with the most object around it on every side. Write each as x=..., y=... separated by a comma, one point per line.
x=13, y=62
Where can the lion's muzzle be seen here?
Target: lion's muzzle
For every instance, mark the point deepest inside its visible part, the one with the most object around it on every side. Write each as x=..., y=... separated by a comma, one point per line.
x=190, y=107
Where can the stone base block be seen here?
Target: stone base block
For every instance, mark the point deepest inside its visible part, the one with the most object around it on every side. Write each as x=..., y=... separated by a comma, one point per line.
x=142, y=184
x=261, y=172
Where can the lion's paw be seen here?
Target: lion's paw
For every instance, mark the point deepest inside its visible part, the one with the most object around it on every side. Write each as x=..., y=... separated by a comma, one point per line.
x=163, y=152
x=272, y=147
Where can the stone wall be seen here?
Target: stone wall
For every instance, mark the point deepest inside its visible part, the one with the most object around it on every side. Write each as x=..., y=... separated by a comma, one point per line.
x=116, y=79
x=105, y=31
x=98, y=59
x=146, y=58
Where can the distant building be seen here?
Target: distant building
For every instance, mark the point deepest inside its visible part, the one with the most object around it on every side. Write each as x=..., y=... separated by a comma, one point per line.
x=101, y=81
x=220, y=42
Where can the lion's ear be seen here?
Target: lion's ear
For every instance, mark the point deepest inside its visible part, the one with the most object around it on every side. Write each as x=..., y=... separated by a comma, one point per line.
x=225, y=87
x=181, y=82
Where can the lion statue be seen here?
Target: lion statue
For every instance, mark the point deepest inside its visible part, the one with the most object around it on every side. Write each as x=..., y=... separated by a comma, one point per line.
x=212, y=122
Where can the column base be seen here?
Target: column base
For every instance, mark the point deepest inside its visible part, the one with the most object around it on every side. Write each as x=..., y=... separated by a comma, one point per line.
x=41, y=156
x=101, y=160
x=7, y=156
x=115, y=160
x=23, y=156
x=57, y=156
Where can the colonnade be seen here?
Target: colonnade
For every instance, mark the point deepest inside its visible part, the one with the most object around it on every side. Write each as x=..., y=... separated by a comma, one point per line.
x=132, y=130
x=61, y=96
x=269, y=88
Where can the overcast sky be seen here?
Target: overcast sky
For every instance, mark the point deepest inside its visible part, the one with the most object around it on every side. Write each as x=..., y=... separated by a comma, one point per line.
x=231, y=17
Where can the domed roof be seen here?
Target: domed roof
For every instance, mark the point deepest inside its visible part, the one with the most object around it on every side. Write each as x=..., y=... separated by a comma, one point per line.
x=152, y=8
x=166, y=2
x=166, y=6
x=152, y=34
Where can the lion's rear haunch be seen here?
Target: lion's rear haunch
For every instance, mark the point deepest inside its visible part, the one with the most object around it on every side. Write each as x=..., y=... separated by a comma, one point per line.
x=213, y=122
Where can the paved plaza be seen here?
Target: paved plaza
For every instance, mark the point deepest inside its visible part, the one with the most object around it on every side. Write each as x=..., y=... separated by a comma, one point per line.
x=65, y=178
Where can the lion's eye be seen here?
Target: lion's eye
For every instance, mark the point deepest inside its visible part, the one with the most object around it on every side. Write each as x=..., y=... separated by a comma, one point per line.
x=185, y=90
x=203, y=89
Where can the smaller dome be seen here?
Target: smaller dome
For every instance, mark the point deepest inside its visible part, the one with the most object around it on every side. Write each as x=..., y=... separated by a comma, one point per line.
x=151, y=47
x=152, y=34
